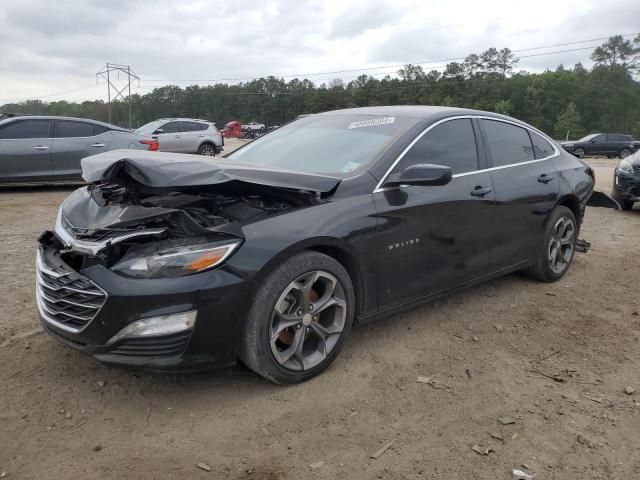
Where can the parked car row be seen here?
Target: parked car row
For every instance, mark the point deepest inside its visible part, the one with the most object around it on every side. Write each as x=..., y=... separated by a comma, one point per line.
x=45, y=149
x=605, y=144
x=48, y=149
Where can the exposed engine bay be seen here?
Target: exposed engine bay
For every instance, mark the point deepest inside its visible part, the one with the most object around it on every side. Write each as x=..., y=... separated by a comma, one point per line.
x=208, y=208
x=147, y=205
x=112, y=218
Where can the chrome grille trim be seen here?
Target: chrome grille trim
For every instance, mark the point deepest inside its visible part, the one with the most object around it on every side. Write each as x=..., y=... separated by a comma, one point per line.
x=92, y=248
x=61, y=302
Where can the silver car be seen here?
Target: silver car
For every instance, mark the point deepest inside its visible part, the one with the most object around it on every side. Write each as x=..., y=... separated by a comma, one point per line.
x=185, y=135
x=44, y=149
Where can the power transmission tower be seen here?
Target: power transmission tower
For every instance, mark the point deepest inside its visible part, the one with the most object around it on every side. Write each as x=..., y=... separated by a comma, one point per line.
x=109, y=73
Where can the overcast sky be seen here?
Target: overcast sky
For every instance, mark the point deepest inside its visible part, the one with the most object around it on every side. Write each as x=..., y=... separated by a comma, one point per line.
x=49, y=47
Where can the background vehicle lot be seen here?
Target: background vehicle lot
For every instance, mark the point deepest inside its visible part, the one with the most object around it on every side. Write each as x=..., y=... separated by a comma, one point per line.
x=58, y=405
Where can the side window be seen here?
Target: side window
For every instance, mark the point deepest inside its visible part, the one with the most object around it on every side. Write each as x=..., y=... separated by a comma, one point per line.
x=509, y=144
x=599, y=138
x=24, y=129
x=69, y=129
x=451, y=143
x=171, y=127
x=541, y=147
x=99, y=129
x=192, y=126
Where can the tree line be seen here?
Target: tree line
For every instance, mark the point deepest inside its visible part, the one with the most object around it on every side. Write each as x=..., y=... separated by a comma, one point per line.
x=573, y=101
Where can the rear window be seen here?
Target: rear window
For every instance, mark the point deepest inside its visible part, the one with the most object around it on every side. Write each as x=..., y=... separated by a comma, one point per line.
x=509, y=143
x=329, y=144
x=193, y=126
x=541, y=147
x=24, y=129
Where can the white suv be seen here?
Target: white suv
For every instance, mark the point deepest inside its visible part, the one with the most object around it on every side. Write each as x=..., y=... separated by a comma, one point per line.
x=185, y=135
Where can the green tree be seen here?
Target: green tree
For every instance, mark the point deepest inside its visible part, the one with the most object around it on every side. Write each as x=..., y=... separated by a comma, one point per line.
x=569, y=123
x=615, y=51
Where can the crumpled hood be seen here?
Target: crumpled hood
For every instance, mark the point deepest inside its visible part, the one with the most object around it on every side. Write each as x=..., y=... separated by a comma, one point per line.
x=162, y=169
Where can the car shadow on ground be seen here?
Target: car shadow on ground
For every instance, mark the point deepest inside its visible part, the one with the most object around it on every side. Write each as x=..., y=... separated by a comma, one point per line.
x=239, y=378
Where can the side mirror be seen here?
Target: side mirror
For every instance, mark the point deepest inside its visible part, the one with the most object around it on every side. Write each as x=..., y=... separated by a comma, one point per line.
x=422, y=174
x=593, y=140
x=158, y=130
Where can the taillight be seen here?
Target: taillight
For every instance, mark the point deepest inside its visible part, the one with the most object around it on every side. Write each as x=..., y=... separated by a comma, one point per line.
x=153, y=145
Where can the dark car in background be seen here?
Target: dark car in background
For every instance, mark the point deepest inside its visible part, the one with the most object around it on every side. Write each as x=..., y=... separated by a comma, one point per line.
x=176, y=262
x=46, y=149
x=626, y=181
x=603, y=144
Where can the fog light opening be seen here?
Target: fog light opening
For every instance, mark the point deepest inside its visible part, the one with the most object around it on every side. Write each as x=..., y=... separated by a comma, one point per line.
x=156, y=326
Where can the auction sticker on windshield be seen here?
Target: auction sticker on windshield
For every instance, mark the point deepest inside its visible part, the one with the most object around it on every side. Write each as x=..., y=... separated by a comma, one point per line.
x=372, y=122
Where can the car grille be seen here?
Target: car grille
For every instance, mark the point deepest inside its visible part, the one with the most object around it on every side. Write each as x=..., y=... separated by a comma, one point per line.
x=96, y=234
x=168, y=345
x=65, y=298
x=636, y=169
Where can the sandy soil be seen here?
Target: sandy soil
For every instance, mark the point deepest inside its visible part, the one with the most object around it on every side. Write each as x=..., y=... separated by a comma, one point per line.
x=490, y=352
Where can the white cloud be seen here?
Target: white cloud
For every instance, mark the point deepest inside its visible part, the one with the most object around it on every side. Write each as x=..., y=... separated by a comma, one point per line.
x=66, y=43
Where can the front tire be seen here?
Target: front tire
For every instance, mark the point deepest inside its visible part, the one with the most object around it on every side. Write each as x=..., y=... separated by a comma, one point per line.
x=579, y=152
x=555, y=255
x=624, y=153
x=299, y=320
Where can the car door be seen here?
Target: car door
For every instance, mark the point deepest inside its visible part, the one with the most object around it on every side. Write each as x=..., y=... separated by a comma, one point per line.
x=74, y=140
x=597, y=145
x=526, y=186
x=25, y=151
x=614, y=143
x=192, y=135
x=434, y=237
x=169, y=137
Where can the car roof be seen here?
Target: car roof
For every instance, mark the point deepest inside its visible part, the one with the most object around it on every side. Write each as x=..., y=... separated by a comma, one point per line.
x=413, y=111
x=54, y=117
x=184, y=119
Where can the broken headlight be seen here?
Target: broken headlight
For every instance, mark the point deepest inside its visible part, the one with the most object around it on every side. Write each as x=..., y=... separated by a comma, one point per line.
x=174, y=262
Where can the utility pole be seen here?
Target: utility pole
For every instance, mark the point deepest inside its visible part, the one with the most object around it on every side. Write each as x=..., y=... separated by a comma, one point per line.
x=118, y=91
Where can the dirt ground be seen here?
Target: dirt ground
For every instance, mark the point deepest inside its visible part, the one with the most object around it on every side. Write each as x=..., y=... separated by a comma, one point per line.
x=490, y=352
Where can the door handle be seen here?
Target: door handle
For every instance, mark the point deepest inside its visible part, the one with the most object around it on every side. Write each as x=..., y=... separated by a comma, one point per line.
x=41, y=147
x=545, y=178
x=481, y=191
x=98, y=145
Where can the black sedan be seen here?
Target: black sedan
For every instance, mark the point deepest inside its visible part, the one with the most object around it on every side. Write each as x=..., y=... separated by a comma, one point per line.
x=603, y=144
x=176, y=262
x=626, y=182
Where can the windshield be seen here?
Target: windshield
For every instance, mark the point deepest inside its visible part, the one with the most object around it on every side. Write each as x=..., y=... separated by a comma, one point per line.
x=588, y=138
x=326, y=144
x=150, y=127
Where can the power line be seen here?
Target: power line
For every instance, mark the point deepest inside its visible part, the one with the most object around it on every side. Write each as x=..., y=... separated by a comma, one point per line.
x=109, y=69
x=364, y=69
x=64, y=92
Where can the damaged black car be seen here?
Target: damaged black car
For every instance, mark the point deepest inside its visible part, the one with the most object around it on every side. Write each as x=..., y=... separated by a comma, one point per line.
x=268, y=256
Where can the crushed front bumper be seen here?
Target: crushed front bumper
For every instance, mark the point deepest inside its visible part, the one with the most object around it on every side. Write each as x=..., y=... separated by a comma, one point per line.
x=85, y=309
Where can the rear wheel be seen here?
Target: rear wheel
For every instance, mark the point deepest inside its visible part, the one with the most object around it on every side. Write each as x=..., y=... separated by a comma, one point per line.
x=299, y=320
x=555, y=254
x=207, y=149
x=579, y=152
